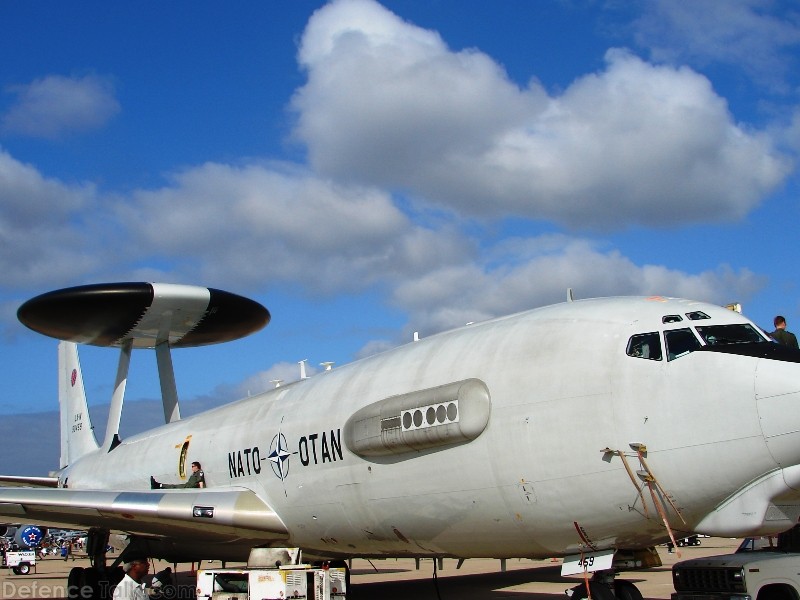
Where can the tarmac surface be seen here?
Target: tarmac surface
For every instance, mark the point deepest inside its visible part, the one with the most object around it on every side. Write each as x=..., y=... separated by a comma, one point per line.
x=392, y=579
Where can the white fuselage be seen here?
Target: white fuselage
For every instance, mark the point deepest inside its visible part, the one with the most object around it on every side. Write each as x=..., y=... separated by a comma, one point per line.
x=543, y=478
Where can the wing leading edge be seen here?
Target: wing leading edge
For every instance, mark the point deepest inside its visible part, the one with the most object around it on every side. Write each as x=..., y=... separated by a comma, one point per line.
x=225, y=515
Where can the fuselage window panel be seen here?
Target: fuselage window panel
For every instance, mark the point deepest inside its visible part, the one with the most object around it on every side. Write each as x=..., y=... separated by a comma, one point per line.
x=680, y=342
x=716, y=335
x=645, y=345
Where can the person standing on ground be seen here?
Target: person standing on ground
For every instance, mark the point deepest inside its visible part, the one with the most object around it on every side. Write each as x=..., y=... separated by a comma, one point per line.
x=132, y=587
x=781, y=335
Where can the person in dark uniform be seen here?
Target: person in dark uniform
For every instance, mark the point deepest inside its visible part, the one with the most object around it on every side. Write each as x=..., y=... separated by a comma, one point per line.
x=781, y=335
x=196, y=480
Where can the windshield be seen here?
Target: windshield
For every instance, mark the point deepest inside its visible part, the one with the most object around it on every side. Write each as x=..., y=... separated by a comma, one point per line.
x=715, y=335
x=680, y=342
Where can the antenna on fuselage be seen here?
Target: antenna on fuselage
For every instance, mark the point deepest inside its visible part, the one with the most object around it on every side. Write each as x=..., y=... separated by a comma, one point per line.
x=570, y=297
x=302, y=364
x=327, y=365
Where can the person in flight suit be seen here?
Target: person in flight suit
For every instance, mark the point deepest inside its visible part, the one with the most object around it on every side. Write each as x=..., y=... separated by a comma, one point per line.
x=781, y=335
x=196, y=480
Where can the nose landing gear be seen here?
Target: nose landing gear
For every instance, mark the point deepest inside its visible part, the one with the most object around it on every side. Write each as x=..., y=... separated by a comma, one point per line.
x=604, y=586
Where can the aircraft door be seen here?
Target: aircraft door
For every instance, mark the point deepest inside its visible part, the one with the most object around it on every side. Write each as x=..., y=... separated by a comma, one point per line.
x=777, y=389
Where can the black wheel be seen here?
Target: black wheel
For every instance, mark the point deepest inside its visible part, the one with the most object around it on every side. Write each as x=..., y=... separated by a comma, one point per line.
x=90, y=584
x=15, y=570
x=74, y=581
x=599, y=592
x=625, y=590
x=23, y=569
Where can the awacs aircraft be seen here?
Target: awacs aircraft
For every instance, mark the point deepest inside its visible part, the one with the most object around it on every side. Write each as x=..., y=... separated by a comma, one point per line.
x=594, y=429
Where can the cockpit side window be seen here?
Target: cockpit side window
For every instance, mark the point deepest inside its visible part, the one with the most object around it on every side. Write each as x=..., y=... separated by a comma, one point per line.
x=671, y=319
x=680, y=342
x=645, y=345
x=715, y=335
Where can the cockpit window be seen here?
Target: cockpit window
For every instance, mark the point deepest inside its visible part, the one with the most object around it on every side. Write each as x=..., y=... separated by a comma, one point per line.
x=680, y=342
x=645, y=345
x=697, y=316
x=671, y=319
x=715, y=335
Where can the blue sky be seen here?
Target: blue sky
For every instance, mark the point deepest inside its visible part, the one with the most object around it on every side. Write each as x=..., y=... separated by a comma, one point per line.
x=369, y=170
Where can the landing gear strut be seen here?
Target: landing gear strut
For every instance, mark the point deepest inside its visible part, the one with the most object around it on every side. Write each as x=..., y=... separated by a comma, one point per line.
x=97, y=581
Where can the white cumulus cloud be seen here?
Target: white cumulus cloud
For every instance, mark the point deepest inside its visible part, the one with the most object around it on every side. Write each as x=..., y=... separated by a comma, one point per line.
x=42, y=238
x=757, y=36
x=252, y=224
x=520, y=274
x=56, y=105
x=389, y=104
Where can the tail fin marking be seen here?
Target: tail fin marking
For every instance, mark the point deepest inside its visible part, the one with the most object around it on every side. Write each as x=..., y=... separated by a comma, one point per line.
x=77, y=435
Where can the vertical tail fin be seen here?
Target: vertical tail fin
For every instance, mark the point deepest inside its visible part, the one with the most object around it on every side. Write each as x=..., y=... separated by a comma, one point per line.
x=77, y=435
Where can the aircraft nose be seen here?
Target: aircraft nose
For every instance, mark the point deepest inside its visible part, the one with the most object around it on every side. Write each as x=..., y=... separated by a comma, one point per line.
x=777, y=389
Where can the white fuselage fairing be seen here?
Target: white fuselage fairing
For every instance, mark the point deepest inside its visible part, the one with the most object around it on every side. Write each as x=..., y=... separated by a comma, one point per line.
x=519, y=431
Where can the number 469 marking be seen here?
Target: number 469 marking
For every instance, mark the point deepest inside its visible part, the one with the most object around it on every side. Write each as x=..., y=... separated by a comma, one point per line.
x=587, y=563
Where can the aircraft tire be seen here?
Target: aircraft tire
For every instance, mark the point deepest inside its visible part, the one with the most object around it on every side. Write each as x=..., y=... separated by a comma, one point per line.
x=625, y=590
x=115, y=575
x=109, y=582
x=90, y=580
x=600, y=591
x=74, y=582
